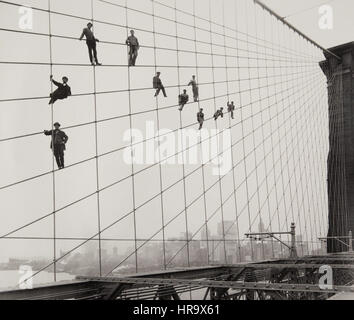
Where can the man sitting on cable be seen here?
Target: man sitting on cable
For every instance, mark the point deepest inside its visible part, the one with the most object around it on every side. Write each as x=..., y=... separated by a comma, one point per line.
x=183, y=100
x=62, y=92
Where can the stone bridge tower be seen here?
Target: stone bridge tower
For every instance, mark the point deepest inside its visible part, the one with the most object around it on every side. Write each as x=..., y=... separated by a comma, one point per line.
x=340, y=75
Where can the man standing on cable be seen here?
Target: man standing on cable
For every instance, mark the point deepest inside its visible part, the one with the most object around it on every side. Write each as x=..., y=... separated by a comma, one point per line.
x=195, y=88
x=91, y=43
x=231, y=109
x=62, y=92
x=133, y=44
x=157, y=83
x=200, y=118
x=59, y=140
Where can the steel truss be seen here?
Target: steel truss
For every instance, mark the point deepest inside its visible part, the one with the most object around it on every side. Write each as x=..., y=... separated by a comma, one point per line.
x=293, y=279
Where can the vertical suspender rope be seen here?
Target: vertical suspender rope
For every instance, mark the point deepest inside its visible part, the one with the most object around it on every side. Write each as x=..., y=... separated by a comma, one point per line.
x=286, y=40
x=232, y=143
x=271, y=137
x=298, y=222
x=271, y=130
x=280, y=184
x=200, y=138
x=52, y=142
x=259, y=214
x=315, y=169
x=97, y=160
x=131, y=144
x=279, y=141
x=243, y=140
x=159, y=144
x=216, y=136
x=183, y=151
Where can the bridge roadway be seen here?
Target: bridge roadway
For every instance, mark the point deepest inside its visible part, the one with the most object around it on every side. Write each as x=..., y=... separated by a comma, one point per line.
x=288, y=279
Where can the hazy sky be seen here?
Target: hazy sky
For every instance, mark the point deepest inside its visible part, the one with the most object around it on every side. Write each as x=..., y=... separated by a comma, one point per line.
x=279, y=133
x=307, y=20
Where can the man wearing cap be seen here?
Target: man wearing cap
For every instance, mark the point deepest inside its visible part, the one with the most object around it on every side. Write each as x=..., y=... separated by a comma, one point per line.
x=133, y=44
x=91, y=43
x=200, y=118
x=157, y=83
x=62, y=92
x=59, y=140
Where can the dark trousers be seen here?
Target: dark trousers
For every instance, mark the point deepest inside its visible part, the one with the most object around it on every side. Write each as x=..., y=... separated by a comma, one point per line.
x=53, y=98
x=59, y=155
x=201, y=122
x=159, y=89
x=196, y=94
x=56, y=96
x=91, y=45
x=133, y=54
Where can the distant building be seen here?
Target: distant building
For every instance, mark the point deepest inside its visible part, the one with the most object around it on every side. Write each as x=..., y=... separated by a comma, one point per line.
x=261, y=228
x=230, y=246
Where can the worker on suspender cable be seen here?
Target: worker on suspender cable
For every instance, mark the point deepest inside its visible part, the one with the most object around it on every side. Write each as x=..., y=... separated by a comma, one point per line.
x=63, y=91
x=157, y=84
x=200, y=118
x=183, y=100
x=195, y=89
x=219, y=113
x=59, y=140
x=134, y=46
x=231, y=108
x=91, y=43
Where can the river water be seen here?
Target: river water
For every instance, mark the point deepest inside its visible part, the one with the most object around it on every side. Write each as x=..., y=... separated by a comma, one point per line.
x=10, y=279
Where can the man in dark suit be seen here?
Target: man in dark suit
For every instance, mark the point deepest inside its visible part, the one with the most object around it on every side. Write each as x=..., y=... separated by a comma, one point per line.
x=62, y=92
x=91, y=43
x=219, y=113
x=59, y=140
x=183, y=100
x=200, y=118
x=195, y=88
x=231, y=109
x=133, y=44
x=157, y=83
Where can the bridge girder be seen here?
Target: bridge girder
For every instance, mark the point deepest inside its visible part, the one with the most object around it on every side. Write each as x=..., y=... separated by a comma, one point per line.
x=268, y=280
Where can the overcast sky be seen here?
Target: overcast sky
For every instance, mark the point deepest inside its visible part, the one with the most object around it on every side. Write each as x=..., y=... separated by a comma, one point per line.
x=307, y=20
